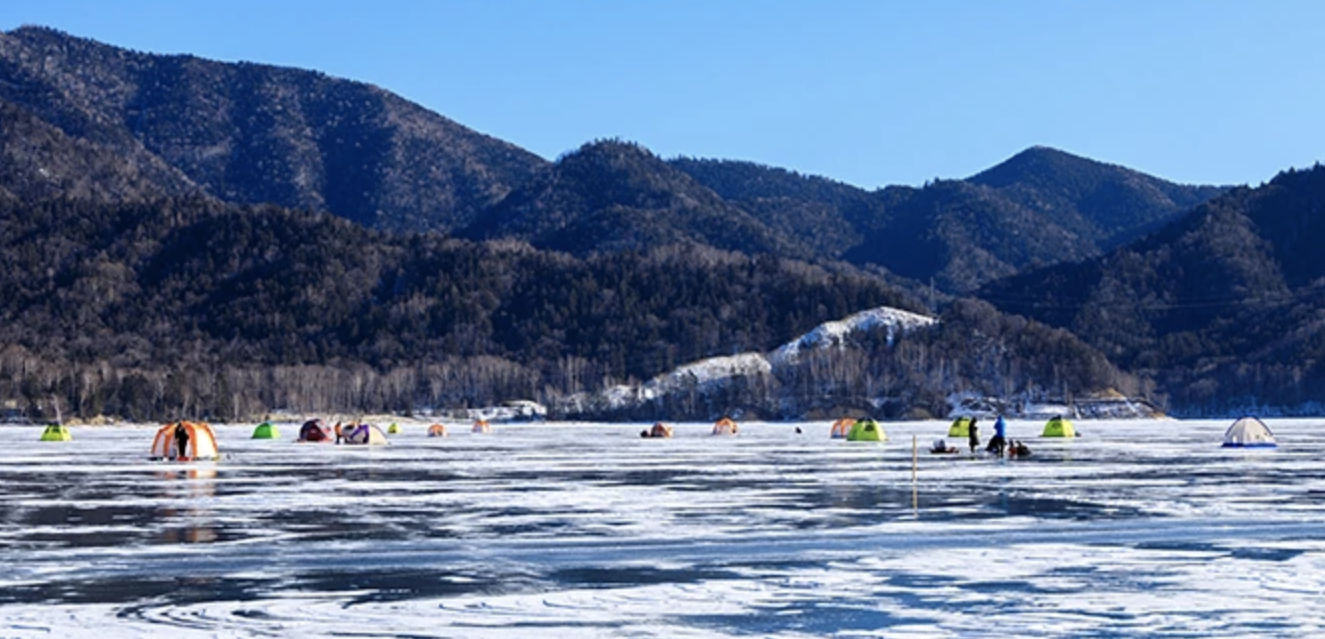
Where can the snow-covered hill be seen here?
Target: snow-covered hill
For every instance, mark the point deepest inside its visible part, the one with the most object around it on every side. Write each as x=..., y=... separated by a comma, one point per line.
x=712, y=374
x=833, y=334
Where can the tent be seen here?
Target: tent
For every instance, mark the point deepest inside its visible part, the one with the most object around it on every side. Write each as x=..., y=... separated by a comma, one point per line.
x=196, y=439
x=481, y=426
x=314, y=431
x=1059, y=427
x=393, y=429
x=659, y=431
x=841, y=427
x=1249, y=432
x=363, y=435
x=726, y=426
x=867, y=430
x=266, y=430
x=56, y=433
x=437, y=430
x=961, y=427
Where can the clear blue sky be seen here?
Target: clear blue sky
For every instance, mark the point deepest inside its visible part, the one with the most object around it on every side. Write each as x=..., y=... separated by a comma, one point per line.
x=869, y=92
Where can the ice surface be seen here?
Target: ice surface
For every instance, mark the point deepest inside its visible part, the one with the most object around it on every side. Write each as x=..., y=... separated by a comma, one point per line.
x=1136, y=528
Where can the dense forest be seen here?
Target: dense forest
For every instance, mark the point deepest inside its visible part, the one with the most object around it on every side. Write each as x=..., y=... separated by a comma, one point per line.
x=1222, y=309
x=193, y=306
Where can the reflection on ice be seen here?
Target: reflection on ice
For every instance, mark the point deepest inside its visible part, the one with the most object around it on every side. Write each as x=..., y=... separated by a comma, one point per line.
x=579, y=529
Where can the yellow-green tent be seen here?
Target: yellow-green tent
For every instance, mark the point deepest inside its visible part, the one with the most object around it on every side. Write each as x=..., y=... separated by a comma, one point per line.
x=867, y=430
x=961, y=427
x=56, y=433
x=1059, y=427
x=266, y=430
x=393, y=429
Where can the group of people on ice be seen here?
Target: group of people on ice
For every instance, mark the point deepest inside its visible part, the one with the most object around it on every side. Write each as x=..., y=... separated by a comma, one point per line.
x=999, y=445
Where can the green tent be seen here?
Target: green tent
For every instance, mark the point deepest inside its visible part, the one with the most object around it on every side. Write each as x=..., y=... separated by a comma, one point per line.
x=1059, y=427
x=393, y=429
x=867, y=430
x=961, y=427
x=56, y=433
x=266, y=430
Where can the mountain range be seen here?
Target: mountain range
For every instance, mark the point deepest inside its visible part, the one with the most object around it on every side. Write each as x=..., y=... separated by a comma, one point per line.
x=210, y=193
x=248, y=134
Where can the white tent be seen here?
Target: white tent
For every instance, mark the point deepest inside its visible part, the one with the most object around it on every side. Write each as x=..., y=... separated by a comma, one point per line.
x=1249, y=432
x=363, y=435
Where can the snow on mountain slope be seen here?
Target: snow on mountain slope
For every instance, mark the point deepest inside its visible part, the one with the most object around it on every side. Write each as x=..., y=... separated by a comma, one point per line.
x=711, y=373
x=831, y=334
x=708, y=371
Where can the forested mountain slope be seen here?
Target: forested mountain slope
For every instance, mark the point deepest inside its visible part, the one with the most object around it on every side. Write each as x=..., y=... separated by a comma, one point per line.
x=251, y=133
x=1223, y=307
x=1039, y=207
x=610, y=196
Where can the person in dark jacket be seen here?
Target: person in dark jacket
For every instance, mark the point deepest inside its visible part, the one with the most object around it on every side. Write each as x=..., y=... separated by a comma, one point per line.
x=181, y=441
x=974, y=436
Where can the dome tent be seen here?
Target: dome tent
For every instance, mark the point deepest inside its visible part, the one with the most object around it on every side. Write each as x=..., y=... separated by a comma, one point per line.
x=266, y=430
x=437, y=430
x=314, y=431
x=867, y=430
x=56, y=432
x=185, y=441
x=841, y=427
x=1249, y=432
x=658, y=431
x=1059, y=427
x=363, y=435
x=726, y=426
x=961, y=427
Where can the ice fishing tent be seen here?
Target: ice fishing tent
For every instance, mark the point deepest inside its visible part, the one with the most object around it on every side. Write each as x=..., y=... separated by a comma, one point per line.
x=481, y=426
x=726, y=426
x=266, y=430
x=437, y=430
x=314, y=431
x=658, y=431
x=1249, y=432
x=185, y=441
x=56, y=433
x=393, y=429
x=961, y=427
x=363, y=435
x=841, y=427
x=1059, y=427
x=867, y=430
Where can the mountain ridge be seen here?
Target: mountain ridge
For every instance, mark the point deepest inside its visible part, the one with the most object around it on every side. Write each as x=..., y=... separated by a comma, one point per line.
x=251, y=133
x=1221, y=306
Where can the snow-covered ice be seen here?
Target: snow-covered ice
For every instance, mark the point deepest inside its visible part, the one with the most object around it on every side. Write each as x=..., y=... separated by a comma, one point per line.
x=1135, y=528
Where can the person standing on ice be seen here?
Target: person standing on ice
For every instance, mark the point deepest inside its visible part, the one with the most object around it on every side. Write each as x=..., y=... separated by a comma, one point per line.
x=974, y=436
x=999, y=441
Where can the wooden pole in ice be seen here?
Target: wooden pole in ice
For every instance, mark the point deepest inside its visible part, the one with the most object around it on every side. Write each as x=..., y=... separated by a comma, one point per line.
x=915, y=460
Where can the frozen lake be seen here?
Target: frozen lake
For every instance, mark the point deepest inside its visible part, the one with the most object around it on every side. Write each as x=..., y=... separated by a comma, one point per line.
x=1135, y=528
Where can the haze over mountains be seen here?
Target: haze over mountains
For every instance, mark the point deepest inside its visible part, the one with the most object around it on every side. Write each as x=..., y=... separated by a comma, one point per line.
x=161, y=153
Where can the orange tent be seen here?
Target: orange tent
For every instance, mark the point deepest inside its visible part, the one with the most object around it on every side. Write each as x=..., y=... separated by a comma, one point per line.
x=725, y=426
x=841, y=427
x=196, y=439
x=659, y=430
x=437, y=430
x=481, y=426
